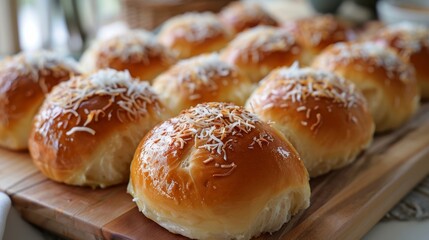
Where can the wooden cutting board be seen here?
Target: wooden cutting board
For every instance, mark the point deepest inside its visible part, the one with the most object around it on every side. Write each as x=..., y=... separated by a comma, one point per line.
x=345, y=204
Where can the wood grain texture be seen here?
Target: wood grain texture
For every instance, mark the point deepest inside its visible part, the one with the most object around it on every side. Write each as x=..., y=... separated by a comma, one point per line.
x=345, y=204
x=14, y=168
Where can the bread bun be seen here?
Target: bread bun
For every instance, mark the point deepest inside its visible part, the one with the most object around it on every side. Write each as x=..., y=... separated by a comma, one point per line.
x=205, y=78
x=387, y=81
x=411, y=41
x=316, y=33
x=368, y=30
x=136, y=51
x=259, y=50
x=24, y=80
x=324, y=117
x=242, y=15
x=191, y=34
x=89, y=127
x=218, y=172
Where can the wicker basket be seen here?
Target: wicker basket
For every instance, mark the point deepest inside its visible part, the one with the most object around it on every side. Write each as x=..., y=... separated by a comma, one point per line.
x=149, y=14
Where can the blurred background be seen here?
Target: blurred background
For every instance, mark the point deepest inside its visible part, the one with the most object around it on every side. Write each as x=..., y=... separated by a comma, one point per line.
x=62, y=25
x=68, y=26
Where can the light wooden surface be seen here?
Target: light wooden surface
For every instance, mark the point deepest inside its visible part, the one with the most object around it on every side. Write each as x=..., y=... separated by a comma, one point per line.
x=345, y=204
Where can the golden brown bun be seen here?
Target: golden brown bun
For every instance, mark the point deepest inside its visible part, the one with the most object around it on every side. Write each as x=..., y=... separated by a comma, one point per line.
x=24, y=80
x=324, y=117
x=205, y=78
x=136, y=51
x=259, y=50
x=411, y=41
x=218, y=172
x=368, y=30
x=316, y=33
x=242, y=15
x=89, y=127
x=191, y=34
x=387, y=81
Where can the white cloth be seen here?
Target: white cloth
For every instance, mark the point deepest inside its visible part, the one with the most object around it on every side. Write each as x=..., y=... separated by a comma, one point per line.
x=4, y=211
x=397, y=230
x=12, y=226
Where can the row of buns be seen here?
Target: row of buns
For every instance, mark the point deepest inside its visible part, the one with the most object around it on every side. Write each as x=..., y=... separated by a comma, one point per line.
x=220, y=154
x=146, y=55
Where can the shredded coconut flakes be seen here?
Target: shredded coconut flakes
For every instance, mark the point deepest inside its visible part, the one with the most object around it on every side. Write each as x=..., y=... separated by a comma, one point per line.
x=132, y=96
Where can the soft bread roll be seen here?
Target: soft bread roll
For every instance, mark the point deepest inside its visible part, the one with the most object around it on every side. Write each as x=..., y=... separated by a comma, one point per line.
x=136, y=51
x=411, y=41
x=324, y=117
x=218, y=172
x=259, y=50
x=387, y=81
x=205, y=78
x=24, y=80
x=242, y=15
x=89, y=127
x=191, y=34
x=368, y=30
x=316, y=33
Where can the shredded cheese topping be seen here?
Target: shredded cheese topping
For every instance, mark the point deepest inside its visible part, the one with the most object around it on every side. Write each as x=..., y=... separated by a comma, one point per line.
x=285, y=87
x=283, y=152
x=131, y=97
x=241, y=13
x=408, y=37
x=251, y=43
x=315, y=30
x=372, y=54
x=297, y=84
x=213, y=127
x=204, y=73
x=212, y=123
x=39, y=64
x=263, y=138
x=136, y=45
x=194, y=27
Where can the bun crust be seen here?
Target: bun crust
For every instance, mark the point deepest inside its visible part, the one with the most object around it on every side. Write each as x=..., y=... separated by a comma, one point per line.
x=136, y=51
x=243, y=15
x=316, y=33
x=204, y=174
x=411, y=41
x=25, y=79
x=259, y=50
x=387, y=82
x=205, y=78
x=192, y=34
x=314, y=109
x=89, y=127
